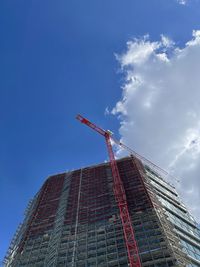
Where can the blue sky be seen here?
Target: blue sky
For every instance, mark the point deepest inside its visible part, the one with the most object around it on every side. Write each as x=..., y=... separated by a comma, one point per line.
x=57, y=59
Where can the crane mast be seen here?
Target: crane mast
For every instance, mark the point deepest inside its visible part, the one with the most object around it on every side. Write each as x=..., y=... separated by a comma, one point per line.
x=120, y=197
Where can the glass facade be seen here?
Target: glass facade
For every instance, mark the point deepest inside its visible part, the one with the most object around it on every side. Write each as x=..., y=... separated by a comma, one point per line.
x=184, y=225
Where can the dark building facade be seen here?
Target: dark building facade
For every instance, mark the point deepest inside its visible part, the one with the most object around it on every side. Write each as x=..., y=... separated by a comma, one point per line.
x=74, y=221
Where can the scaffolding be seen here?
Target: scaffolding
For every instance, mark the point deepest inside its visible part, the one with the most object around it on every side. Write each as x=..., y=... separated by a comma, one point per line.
x=92, y=224
x=55, y=237
x=75, y=221
x=38, y=224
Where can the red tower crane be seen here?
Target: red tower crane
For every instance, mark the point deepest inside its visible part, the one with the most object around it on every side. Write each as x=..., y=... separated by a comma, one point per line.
x=120, y=196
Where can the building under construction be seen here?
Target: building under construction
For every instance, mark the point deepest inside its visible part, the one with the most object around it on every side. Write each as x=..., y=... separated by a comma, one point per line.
x=75, y=221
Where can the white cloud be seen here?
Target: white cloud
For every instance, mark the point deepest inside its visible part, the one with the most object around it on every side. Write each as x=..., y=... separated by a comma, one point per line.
x=182, y=2
x=160, y=108
x=106, y=111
